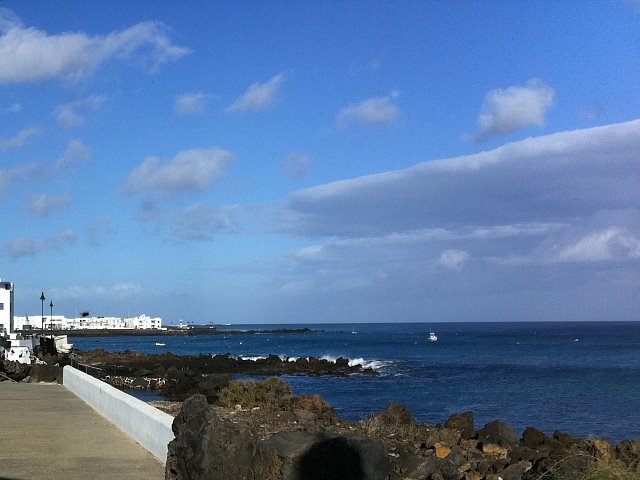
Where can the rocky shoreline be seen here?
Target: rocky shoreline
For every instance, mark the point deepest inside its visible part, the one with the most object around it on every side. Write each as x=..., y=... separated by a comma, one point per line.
x=229, y=429
x=178, y=376
x=301, y=438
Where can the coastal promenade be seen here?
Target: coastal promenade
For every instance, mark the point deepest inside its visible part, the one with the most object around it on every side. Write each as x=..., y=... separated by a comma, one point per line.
x=50, y=433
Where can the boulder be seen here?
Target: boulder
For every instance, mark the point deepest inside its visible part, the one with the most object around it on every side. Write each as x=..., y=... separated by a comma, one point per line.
x=303, y=455
x=493, y=451
x=15, y=370
x=533, y=438
x=207, y=445
x=499, y=433
x=442, y=435
x=515, y=471
x=564, y=438
x=463, y=423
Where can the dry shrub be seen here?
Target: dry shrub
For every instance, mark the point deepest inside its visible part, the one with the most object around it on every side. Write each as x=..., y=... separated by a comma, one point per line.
x=577, y=465
x=273, y=393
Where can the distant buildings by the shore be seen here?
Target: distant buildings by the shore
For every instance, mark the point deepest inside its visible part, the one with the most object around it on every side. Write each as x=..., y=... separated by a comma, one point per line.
x=60, y=322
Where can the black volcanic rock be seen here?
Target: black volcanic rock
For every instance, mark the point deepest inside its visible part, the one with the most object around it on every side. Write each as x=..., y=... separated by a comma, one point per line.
x=462, y=422
x=207, y=446
x=498, y=433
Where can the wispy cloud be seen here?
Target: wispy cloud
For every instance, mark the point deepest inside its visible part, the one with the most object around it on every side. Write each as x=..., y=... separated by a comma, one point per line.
x=370, y=112
x=18, y=140
x=514, y=108
x=259, y=96
x=96, y=232
x=201, y=222
x=32, y=55
x=453, y=259
x=69, y=114
x=613, y=243
x=297, y=164
x=76, y=153
x=42, y=205
x=22, y=247
x=190, y=170
x=15, y=175
x=192, y=103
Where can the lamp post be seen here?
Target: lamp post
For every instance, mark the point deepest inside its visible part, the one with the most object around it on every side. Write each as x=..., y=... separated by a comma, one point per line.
x=42, y=299
x=51, y=318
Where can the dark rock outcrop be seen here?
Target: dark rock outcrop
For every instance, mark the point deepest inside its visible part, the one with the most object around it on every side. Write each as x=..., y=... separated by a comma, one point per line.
x=255, y=444
x=498, y=433
x=463, y=423
x=208, y=445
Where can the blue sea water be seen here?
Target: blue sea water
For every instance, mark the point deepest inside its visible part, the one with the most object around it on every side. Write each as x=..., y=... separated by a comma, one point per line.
x=579, y=377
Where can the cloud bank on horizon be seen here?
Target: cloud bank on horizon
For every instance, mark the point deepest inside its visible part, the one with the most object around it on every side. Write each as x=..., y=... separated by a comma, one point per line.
x=152, y=166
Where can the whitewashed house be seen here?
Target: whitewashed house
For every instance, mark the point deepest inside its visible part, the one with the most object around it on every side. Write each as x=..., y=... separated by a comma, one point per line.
x=6, y=308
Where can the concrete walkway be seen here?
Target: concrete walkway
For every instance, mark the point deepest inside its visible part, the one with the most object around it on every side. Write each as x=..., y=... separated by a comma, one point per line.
x=46, y=432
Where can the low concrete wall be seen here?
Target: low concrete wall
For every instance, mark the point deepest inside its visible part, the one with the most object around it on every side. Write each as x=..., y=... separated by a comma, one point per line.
x=147, y=425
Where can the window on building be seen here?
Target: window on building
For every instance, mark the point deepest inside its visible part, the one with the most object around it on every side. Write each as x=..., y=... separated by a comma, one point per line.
x=1, y=306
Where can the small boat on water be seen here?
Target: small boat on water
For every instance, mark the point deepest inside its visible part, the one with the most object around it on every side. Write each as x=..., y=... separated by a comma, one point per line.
x=159, y=344
x=432, y=337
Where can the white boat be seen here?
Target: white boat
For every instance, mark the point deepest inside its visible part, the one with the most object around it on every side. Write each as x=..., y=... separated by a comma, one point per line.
x=433, y=337
x=159, y=344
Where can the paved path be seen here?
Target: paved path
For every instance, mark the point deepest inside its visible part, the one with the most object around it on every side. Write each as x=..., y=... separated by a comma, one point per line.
x=48, y=433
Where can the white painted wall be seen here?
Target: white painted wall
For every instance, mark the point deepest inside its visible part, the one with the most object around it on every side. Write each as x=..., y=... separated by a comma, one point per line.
x=6, y=308
x=147, y=425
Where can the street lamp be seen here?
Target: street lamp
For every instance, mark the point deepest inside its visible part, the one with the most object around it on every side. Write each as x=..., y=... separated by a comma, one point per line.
x=42, y=299
x=51, y=317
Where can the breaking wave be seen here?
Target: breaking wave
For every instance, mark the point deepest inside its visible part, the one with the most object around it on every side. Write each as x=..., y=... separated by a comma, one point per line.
x=372, y=364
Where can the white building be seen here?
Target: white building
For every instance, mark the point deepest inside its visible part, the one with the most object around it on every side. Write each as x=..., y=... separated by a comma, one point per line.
x=6, y=308
x=60, y=322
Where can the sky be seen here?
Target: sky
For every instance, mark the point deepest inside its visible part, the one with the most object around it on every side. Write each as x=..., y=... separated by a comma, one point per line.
x=322, y=161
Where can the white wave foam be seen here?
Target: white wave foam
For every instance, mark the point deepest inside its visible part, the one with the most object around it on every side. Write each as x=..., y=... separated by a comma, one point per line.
x=253, y=359
x=373, y=364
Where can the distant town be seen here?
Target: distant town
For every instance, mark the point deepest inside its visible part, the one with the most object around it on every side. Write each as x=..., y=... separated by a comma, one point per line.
x=22, y=338
x=57, y=323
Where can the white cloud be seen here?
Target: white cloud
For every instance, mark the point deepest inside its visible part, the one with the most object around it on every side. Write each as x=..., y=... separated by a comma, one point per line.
x=517, y=107
x=18, y=140
x=68, y=116
x=190, y=170
x=201, y=222
x=370, y=112
x=42, y=205
x=8, y=20
x=610, y=244
x=14, y=175
x=555, y=177
x=297, y=164
x=22, y=247
x=259, y=96
x=192, y=103
x=453, y=259
x=97, y=231
x=76, y=153
x=32, y=55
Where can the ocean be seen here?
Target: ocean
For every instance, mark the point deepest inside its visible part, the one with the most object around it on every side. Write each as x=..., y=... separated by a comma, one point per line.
x=582, y=378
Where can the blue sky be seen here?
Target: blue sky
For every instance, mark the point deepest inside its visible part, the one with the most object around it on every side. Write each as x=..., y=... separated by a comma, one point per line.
x=249, y=162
